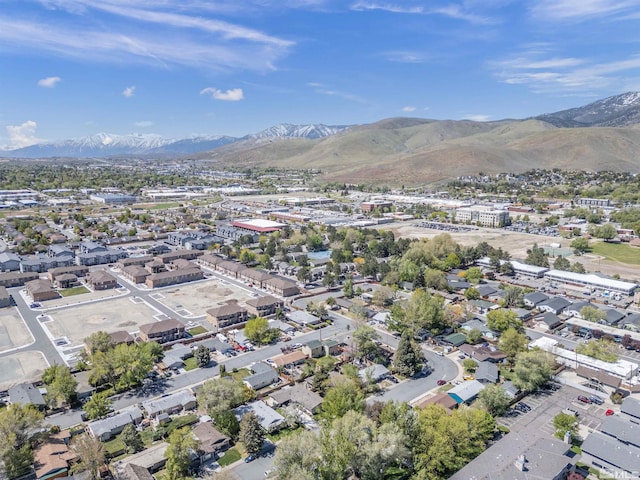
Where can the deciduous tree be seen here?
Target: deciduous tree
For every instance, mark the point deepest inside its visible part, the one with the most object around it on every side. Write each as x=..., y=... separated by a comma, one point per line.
x=131, y=439
x=91, y=453
x=98, y=406
x=181, y=444
x=512, y=342
x=563, y=423
x=501, y=319
x=532, y=369
x=494, y=399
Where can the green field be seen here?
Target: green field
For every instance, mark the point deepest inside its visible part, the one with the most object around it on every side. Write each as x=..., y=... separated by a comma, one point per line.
x=618, y=252
x=68, y=292
x=190, y=364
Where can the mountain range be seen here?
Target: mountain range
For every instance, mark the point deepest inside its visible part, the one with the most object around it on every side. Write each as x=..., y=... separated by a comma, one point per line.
x=103, y=145
x=603, y=135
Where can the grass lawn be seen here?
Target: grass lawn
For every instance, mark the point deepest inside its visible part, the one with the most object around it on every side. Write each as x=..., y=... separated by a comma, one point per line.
x=618, y=252
x=280, y=434
x=114, y=446
x=163, y=206
x=190, y=364
x=446, y=388
x=197, y=330
x=230, y=456
x=240, y=374
x=68, y=292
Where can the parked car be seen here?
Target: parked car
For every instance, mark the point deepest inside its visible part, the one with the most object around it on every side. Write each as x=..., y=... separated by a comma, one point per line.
x=250, y=458
x=608, y=413
x=595, y=399
x=583, y=399
x=442, y=382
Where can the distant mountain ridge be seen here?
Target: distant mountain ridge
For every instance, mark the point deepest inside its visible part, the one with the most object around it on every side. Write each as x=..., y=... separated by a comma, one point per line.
x=617, y=111
x=105, y=144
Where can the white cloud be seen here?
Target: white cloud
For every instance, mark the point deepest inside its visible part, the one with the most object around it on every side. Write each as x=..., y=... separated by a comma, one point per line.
x=144, y=124
x=231, y=95
x=455, y=12
x=22, y=135
x=404, y=57
x=129, y=91
x=195, y=39
x=408, y=109
x=322, y=89
x=49, y=82
x=566, y=75
x=578, y=10
x=477, y=117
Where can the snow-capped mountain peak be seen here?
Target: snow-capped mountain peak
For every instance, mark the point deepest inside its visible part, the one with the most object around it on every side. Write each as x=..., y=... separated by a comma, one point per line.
x=616, y=111
x=287, y=130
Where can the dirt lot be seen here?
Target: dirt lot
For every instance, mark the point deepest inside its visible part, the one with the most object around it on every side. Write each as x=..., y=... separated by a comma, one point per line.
x=13, y=331
x=517, y=244
x=78, y=322
x=21, y=367
x=193, y=300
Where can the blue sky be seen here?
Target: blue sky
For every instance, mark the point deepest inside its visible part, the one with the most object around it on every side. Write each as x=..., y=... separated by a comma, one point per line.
x=71, y=68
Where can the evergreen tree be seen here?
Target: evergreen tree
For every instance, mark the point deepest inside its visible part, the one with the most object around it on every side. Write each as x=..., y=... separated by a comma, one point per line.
x=202, y=356
x=408, y=357
x=251, y=433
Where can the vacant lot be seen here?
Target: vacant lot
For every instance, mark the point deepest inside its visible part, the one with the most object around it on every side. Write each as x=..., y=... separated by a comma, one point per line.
x=80, y=294
x=13, y=331
x=21, y=367
x=78, y=322
x=194, y=299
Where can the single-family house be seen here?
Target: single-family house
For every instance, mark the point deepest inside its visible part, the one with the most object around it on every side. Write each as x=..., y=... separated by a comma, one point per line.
x=269, y=419
x=331, y=347
x=466, y=392
x=210, y=441
x=172, y=403
x=548, y=320
x=532, y=299
x=26, y=394
x=373, y=373
x=487, y=372
x=53, y=458
x=554, y=305
x=287, y=360
x=262, y=375
x=297, y=394
x=303, y=318
x=109, y=427
x=313, y=349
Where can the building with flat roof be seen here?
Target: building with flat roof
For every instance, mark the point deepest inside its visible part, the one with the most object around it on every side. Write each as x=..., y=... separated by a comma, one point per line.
x=258, y=225
x=591, y=280
x=485, y=216
x=520, y=268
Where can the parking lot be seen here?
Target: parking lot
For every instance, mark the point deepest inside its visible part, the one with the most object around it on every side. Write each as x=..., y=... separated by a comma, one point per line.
x=194, y=299
x=78, y=322
x=551, y=403
x=13, y=331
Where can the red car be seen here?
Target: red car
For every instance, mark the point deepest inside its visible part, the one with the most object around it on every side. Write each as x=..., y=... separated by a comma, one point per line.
x=583, y=399
x=441, y=382
x=608, y=413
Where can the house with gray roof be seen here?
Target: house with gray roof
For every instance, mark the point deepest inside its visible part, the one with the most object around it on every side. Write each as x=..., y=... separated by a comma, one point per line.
x=109, y=427
x=313, y=349
x=549, y=320
x=373, y=373
x=607, y=453
x=466, y=392
x=622, y=429
x=299, y=394
x=173, y=403
x=534, y=298
x=554, y=305
x=487, y=372
x=5, y=297
x=26, y=394
x=269, y=419
x=9, y=262
x=631, y=407
x=303, y=318
x=262, y=376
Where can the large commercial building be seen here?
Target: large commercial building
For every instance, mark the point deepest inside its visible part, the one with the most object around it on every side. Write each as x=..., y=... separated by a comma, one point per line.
x=485, y=216
x=258, y=225
x=591, y=280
